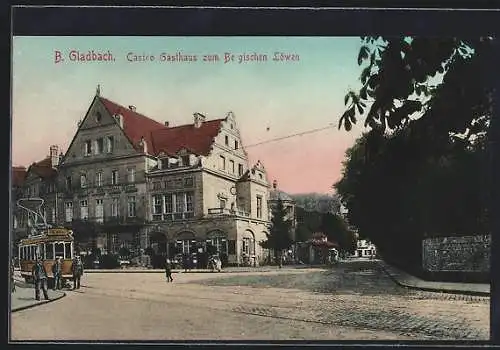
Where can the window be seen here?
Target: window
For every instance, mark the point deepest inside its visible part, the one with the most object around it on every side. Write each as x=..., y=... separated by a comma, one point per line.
x=59, y=248
x=49, y=251
x=69, y=211
x=245, y=247
x=164, y=163
x=131, y=175
x=84, y=209
x=189, y=204
x=157, y=204
x=131, y=206
x=83, y=180
x=99, y=210
x=68, y=182
x=259, y=206
x=53, y=215
x=67, y=250
x=114, y=177
x=188, y=182
x=222, y=163
x=226, y=140
x=87, y=148
x=220, y=244
x=114, y=207
x=260, y=176
x=179, y=203
x=99, y=146
x=98, y=179
x=186, y=246
x=240, y=169
x=236, y=146
x=185, y=161
x=231, y=162
x=168, y=204
x=109, y=144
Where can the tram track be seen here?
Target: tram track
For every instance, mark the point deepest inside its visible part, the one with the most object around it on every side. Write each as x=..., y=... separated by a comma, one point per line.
x=325, y=311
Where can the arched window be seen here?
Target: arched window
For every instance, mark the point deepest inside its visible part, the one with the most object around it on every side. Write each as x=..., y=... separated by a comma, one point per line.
x=218, y=240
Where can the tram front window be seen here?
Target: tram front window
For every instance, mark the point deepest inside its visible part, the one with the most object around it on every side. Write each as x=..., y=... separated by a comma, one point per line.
x=59, y=250
x=49, y=251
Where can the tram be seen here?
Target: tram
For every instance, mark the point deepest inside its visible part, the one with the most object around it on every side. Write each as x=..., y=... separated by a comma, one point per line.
x=43, y=241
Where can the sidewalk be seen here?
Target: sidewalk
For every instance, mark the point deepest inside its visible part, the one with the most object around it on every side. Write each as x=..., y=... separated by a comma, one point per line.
x=409, y=281
x=24, y=297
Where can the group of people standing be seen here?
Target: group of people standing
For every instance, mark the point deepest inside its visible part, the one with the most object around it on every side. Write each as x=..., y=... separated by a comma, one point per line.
x=40, y=275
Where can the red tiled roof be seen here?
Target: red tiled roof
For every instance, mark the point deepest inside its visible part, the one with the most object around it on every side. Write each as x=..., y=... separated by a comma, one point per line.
x=161, y=138
x=196, y=140
x=135, y=125
x=43, y=168
x=18, y=174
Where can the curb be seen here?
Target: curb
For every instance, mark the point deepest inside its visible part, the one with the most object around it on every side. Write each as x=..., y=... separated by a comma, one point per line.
x=42, y=302
x=430, y=289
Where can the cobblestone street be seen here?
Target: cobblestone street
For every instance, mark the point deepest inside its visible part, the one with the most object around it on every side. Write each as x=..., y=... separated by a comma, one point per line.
x=355, y=300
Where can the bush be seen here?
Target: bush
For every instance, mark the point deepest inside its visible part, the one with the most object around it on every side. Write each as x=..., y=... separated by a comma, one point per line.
x=109, y=261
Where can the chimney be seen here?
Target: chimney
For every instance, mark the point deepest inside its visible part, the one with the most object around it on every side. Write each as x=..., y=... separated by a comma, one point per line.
x=132, y=108
x=198, y=119
x=275, y=184
x=119, y=120
x=54, y=157
x=167, y=124
x=61, y=156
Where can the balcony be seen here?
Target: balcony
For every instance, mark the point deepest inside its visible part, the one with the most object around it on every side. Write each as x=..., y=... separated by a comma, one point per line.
x=173, y=216
x=227, y=212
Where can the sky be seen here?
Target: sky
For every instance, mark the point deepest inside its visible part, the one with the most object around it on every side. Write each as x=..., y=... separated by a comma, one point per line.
x=270, y=99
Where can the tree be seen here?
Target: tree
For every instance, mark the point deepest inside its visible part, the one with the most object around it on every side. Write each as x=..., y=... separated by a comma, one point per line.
x=279, y=238
x=421, y=169
x=400, y=80
x=335, y=228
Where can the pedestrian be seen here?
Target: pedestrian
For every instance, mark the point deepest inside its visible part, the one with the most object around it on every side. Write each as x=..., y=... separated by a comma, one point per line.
x=12, y=280
x=77, y=270
x=57, y=273
x=40, y=279
x=168, y=270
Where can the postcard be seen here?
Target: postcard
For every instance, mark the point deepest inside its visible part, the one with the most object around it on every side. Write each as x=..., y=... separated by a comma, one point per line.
x=193, y=188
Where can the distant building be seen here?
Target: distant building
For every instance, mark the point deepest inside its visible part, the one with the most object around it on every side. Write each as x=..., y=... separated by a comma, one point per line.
x=129, y=181
x=365, y=249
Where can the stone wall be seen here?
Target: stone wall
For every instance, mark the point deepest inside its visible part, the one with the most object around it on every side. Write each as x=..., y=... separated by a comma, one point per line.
x=457, y=254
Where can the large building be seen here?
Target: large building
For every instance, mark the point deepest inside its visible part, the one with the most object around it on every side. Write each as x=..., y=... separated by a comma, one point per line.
x=129, y=181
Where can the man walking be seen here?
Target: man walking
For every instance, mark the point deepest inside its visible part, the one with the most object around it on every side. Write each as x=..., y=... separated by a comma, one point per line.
x=77, y=270
x=57, y=272
x=168, y=270
x=40, y=278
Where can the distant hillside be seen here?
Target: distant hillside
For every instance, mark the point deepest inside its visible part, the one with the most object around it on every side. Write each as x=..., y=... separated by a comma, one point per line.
x=323, y=203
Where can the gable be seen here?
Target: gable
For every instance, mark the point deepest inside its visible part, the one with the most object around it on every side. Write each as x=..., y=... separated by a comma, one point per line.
x=100, y=128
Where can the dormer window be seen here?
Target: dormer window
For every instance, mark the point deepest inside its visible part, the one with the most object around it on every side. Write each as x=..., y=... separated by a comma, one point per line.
x=186, y=160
